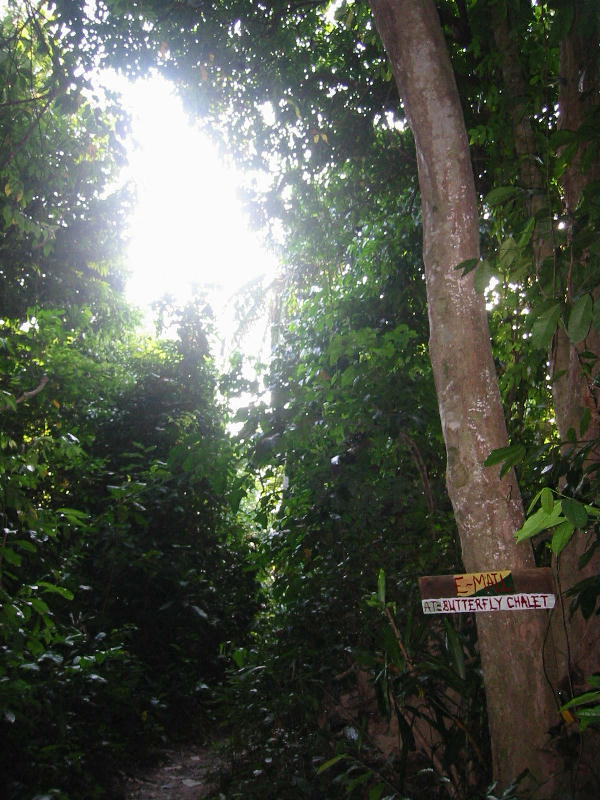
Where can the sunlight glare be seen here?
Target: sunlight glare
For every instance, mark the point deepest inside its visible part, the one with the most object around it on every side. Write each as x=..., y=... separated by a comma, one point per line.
x=188, y=228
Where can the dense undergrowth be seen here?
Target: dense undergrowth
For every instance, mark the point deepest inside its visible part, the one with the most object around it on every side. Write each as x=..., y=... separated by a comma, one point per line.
x=123, y=567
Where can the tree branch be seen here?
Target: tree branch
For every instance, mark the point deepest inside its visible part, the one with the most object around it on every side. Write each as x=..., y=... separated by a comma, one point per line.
x=418, y=459
x=33, y=392
x=52, y=95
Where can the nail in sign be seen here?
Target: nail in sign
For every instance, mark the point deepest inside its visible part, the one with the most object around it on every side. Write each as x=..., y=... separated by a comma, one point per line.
x=502, y=590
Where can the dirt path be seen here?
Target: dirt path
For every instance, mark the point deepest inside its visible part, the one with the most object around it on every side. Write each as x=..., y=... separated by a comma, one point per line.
x=186, y=775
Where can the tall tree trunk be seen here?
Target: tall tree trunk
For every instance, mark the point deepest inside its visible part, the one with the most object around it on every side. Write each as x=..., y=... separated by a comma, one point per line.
x=488, y=509
x=575, y=640
x=575, y=388
x=579, y=80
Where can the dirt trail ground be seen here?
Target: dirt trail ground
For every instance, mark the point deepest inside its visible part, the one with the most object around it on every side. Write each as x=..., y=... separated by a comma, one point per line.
x=185, y=775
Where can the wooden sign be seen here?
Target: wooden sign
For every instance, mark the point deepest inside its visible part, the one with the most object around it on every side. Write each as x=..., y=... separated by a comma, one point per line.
x=504, y=590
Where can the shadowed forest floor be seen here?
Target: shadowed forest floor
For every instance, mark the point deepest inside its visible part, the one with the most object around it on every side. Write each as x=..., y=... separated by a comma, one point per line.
x=186, y=774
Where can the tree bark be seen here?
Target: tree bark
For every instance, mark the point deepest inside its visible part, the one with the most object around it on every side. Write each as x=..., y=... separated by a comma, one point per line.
x=488, y=509
x=575, y=389
x=576, y=651
x=579, y=80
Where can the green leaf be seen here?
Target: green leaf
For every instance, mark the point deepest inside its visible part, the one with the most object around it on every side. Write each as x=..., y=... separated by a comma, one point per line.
x=24, y=545
x=547, y=500
x=483, y=276
x=561, y=138
x=73, y=514
x=544, y=327
x=507, y=253
x=381, y=586
x=35, y=647
x=581, y=699
x=540, y=521
x=593, y=713
x=348, y=377
x=575, y=512
x=561, y=536
x=376, y=791
x=596, y=315
x=580, y=318
x=239, y=657
x=534, y=501
x=499, y=455
x=40, y=606
x=455, y=649
x=507, y=456
x=7, y=400
x=500, y=195
x=235, y=498
x=12, y=557
x=467, y=266
x=526, y=233
x=584, y=424
x=330, y=763
x=54, y=589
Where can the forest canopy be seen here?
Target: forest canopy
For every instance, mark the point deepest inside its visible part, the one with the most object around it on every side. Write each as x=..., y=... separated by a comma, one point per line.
x=432, y=405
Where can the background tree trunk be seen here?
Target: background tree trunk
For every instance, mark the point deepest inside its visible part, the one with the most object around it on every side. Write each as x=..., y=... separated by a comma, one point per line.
x=579, y=80
x=575, y=389
x=576, y=653
x=488, y=509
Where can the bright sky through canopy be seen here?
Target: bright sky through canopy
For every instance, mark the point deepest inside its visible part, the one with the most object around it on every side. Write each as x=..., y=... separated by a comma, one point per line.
x=188, y=226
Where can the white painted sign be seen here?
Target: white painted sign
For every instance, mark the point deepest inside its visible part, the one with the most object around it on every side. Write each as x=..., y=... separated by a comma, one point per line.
x=503, y=602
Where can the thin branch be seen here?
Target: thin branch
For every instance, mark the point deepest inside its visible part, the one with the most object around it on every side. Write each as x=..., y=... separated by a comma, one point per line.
x=51, y=96
x=33, y=392
x=25, y=100
x=398, y=637
x=418, y=459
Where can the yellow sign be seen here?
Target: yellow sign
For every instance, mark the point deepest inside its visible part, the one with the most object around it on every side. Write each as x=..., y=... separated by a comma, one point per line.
x=484, y=583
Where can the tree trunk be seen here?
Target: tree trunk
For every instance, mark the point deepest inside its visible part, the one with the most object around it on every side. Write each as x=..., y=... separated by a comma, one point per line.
x=575, y=389
x=579, y=80
x=488, y=509
x=575, y=640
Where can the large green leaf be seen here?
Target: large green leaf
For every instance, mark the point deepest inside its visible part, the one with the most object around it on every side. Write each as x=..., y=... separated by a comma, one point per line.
x=381, y=586
x=455, y=649
x=586, y=697
x=54, y=589
x=547, y=500
x=580, y=318
x=596, y=315
x=507, y=254
x=544, y=327
x=561, y=536
x=507, y=456
x=501, y=194
x=467, y=266
x=330, y=763
x=575, y=512
x=483, y=276
x=540, y=521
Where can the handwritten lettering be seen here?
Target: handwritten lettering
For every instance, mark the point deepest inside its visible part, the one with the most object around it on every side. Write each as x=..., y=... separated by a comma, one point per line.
x=474, y=582
x=506, y=602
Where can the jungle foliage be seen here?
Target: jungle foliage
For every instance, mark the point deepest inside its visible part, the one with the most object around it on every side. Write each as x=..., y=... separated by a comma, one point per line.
x=135, y=528
x=123, y=569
